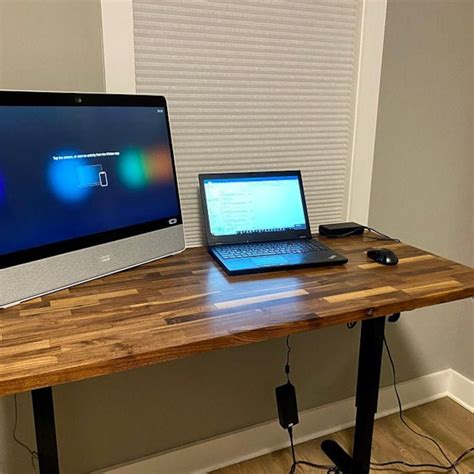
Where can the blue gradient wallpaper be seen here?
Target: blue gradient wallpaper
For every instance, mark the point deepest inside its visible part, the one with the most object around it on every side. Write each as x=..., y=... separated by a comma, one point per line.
x=68, y=172
x=2, y=190
x=64, y=180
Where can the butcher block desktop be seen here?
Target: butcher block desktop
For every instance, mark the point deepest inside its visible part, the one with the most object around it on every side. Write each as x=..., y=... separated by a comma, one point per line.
x=185, y=304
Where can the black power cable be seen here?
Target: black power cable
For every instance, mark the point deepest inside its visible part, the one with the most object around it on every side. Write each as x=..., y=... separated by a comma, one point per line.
x=333, y=469
x=452, y=465
x=33, y=454
x=287, y=365
x=380, y=235
x=296, y=462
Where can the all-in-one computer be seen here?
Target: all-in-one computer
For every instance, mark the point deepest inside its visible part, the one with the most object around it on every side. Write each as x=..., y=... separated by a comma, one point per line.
x=87, y=188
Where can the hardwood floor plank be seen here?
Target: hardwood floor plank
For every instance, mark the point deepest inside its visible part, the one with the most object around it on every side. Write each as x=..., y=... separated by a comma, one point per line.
x=444, y=420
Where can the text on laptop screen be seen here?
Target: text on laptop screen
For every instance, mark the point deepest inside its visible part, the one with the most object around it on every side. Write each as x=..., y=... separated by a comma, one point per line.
x=68, y=172
x=254, y=205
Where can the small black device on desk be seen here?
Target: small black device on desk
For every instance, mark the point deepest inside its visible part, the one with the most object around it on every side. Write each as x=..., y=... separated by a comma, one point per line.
x=341, y=229
x=346, y=229
x=257, y=222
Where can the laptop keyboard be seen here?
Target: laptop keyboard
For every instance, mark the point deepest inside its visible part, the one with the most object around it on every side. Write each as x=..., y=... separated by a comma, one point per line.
x=260, y=249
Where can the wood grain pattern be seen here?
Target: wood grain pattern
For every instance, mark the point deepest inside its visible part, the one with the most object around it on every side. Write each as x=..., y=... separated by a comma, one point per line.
x=185, y=304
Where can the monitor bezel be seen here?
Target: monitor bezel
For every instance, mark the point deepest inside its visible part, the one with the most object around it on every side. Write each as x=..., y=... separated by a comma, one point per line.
x=258, y=236
x=80, y=99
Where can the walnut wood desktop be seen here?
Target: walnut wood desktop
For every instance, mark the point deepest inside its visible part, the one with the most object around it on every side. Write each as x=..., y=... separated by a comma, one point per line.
x=185, y=304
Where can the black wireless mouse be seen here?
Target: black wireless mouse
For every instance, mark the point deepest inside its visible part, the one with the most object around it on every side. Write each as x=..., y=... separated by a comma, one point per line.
x=383, y=256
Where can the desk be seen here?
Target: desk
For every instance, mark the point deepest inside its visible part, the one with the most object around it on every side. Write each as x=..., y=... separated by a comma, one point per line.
x=185, y=304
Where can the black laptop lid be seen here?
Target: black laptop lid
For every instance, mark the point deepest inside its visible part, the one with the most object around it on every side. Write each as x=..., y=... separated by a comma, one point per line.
x=253, y=207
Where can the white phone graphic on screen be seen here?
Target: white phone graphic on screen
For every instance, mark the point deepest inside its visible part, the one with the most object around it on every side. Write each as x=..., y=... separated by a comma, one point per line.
x=104, y=181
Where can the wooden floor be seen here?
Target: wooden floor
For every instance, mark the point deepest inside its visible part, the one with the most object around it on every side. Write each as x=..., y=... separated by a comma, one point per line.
x=450, y=424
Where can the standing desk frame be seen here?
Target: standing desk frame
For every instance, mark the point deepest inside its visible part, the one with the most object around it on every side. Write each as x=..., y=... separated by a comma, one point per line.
x=161, y=311
x=368, y=379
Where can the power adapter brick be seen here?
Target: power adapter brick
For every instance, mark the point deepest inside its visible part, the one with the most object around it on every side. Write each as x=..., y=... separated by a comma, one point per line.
x=286, y=404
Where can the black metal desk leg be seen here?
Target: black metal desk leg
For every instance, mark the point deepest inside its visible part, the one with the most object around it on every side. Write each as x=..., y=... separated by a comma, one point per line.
x=43, y=410
x=368, y=381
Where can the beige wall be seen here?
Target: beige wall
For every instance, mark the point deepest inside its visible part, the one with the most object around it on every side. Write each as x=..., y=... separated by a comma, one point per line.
x=51, y=45
x=422, y=187
x=420, y=177
x=44, y=45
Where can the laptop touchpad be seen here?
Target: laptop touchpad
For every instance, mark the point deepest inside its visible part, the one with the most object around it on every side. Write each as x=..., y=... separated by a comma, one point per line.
x=270, y=261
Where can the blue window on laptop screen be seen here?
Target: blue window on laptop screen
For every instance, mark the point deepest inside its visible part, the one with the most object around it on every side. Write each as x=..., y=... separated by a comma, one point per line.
x=254, y=204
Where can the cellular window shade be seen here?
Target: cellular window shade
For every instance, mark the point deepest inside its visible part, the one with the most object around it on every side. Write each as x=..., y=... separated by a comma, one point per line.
x=254, y=85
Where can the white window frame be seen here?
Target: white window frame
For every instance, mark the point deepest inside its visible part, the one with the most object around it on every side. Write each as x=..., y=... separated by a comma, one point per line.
x=119, y=74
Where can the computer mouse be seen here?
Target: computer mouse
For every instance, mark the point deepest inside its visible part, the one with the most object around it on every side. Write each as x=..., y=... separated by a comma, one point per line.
x=383, y=256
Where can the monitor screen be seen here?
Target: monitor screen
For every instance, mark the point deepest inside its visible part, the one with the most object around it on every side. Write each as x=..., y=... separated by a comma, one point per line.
x=77, y=176
x=252, y=205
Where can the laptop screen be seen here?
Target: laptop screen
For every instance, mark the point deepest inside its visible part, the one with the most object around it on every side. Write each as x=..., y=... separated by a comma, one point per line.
x=262, y=204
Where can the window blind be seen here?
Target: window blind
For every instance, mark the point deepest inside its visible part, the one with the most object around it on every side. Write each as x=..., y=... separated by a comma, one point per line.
x=254, y=85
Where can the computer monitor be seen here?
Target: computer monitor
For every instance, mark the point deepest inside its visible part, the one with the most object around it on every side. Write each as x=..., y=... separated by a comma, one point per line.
x=87, y=187
x=254, y=206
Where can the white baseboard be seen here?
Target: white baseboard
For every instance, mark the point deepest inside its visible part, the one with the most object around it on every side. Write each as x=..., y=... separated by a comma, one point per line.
x=257, y=440
x=461, y=390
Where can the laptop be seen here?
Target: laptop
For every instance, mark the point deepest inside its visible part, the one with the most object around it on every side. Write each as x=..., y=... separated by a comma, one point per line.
x=257, y=222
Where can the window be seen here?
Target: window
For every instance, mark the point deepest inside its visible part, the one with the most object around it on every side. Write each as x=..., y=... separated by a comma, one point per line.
x=254, y=85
